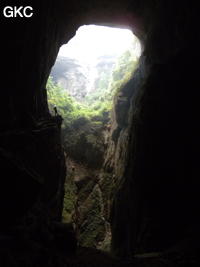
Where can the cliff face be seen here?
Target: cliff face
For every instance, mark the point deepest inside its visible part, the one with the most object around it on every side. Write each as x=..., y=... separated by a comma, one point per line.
x=79, y=79
x=118, y=147
x=70, y=75
x=157, y=204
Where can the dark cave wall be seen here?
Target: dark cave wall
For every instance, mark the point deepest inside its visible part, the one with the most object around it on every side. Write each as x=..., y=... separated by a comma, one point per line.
x=31, y=46
x=158, y=203
x=161, y=185
x=29, y=57
x=33, y=177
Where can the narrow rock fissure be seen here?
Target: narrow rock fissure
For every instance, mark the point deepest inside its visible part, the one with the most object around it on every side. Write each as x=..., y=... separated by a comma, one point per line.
x=89, y=86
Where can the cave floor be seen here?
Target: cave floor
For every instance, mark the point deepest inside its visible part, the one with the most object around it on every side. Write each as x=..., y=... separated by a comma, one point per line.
x=36, y=256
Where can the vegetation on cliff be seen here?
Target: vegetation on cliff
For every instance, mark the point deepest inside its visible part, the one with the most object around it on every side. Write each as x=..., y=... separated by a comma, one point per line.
x=70, y=109
x=88, y=188
x=98, y=103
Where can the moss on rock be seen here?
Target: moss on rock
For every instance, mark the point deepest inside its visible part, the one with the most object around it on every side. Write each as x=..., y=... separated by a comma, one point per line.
x=93, y=228
x=69, y=199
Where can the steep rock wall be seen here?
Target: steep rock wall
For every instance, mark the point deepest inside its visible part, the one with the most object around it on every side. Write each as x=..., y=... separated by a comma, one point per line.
x=157, y=205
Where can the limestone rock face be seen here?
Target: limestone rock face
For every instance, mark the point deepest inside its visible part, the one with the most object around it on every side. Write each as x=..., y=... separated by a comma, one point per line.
x=84, y=143
x=70, y=75
x=87, y=189
x=79, y=79
x=160, y=147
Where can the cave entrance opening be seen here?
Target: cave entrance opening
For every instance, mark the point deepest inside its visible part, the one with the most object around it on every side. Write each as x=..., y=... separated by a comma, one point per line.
x=87, y=78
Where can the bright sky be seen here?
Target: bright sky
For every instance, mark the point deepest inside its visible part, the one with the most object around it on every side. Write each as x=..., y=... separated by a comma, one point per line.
x=92, y=41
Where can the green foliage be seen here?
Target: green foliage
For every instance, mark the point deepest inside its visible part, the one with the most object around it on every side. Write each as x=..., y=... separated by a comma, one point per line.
x=93, y=229
x=98, y=104
x=70, y=109
x=69, y=198
x=123, y=71
x=107, y=86
x=58, y=97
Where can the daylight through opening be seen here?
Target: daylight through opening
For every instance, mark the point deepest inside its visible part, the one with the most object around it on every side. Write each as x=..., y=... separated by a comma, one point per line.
x=85, y=87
